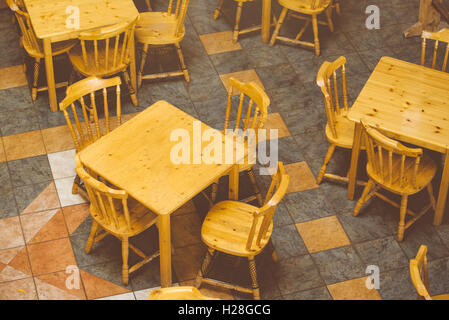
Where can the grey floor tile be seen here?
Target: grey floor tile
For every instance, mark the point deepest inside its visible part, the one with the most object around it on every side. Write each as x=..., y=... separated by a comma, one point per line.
x=320, y=293
x=288, y=242
x=308, y=205
x=29, y=171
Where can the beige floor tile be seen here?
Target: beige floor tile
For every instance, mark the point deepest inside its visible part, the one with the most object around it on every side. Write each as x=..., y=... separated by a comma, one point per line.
x=323, y=234
x=243, y=76
x=23, y=145
x=47, y=199
x=10, y=233
x=22, y=289
x=354, y=289
x=64, y=189
x=275, y=122
x=219, y=42
x=301, y=178
x=57, y=139
x=11, y=77
x=62, y=164
x=2, y=151
x=123, y=296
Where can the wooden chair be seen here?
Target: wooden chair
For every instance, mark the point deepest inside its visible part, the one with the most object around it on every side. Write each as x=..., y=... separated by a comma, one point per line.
x=178, y=293
x=398, y=169
x=339, y=129
x=162, y=29
x=305, y=8
x=80, y=106
x=238, y=16
x=114, y=212
x=147, y=2
x=256, y=115
x=105, y=52
x=419, y=273
x=34, y=46
x=440, y=36
x=241, y=230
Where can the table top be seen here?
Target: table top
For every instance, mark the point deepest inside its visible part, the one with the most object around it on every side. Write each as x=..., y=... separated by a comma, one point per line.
x=49, y=17
x=136, y=157
x=407, y=101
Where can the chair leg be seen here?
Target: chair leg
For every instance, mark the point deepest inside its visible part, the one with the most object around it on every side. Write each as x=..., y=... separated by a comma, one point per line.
x=76, y=183
x=238, y=15
x=37, y=63
x=90, y=240
x=125, y=253
x=329, y=19
x=274, y=255
x=402, y=215
x=204, y=267
x=252, y=178
x=218, y=10
x=147, y=2
x=327, y=158
x=132, y=92
x=315, y=34
x=181, y=60
x=278, y=26
x=214, y=192
x=431, y=196
x=364, y=198
x=142, y=65
x=253, y=273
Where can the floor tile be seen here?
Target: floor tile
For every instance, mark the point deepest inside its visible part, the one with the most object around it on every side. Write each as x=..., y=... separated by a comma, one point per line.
x=22, y=289
x=242, y=76
x=59, y=280
x=10, y=233
x=2, y=151
x=320, y=293
x=144, y=293
x=277, y=76
x=5, y=178
x=11, y=77
x=219, y=42
x=75, y=215
x=62, y=164
x=15, y=264
x=45, y=199
x=98, y=288
x=287, y=242
x=123, y=296
x=232, y=61
x=186, y=230
x=46, y=291
x=275, y=122
x=354, y=289
x=18, y=122
x=64, y=188
x=57, y=139
x=301, y=178
x=9, y=208
x=29, y=171
x=187, y=261
x=307, y=205
x=396, y=285
x=43, y=226
x=106, y=250
x=23, y=145
x=323, y=234
x=51, y=256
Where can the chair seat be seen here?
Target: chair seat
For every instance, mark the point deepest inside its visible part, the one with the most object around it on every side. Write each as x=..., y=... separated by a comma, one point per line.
x=345, y=132
x=141, y=218
x=425, y=174
x=304, y=6
x=76, y=58
x=57, y=47
x=441, y=297
x=157, y=28
x=227, y=226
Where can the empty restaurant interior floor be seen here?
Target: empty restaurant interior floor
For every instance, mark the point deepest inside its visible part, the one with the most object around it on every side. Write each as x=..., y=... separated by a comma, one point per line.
x=323, y=250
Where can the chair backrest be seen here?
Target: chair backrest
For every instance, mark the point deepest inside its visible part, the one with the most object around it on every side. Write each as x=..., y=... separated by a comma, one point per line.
x=420, y=274
x=440, y=36
x=178, y=293
x=89, y=130
x=179, y=9
x=23, y=19
x=331, y=91
x=107, y=205
x=263, y=217
x=250, y=116
x=382, y=151
x=110, y=46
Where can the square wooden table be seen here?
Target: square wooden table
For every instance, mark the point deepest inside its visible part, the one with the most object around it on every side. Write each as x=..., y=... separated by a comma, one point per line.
x=136, y=157
x=49, y=20
x=408, y=102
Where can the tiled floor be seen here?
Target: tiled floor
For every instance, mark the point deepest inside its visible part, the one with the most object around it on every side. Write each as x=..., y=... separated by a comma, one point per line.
x=323, y=250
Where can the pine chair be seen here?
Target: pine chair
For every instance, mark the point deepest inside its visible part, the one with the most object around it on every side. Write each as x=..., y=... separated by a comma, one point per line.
x=305, y=8
x=398, y=169
x=339, y=129
x=86, y=127
x=241, y=230
x=440, y=36
x=178, y=293
x=114, y=212
x=419, y=273
x=163, y=29
x=238, y=16
x=34, y=46
x=253, y=120
x=105, y=52
x=147, y=2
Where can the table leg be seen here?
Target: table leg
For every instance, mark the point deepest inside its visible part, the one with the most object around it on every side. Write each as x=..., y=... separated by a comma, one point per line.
x=234, y=183
x=266, y=20
x=354, y=160
x=442, y=195
x=132, y=65
x=165, y=249
x=50, y=76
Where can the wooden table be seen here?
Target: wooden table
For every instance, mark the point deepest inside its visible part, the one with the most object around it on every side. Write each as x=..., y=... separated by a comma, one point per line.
x=266, y=20
x=49, y=22
x=136, y=157
x=408, y=102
